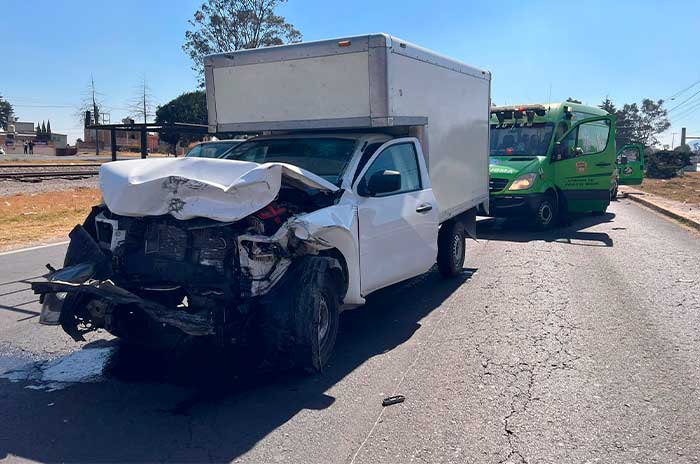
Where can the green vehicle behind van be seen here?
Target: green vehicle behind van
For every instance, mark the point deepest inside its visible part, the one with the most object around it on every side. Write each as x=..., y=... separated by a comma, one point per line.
x=549, y=160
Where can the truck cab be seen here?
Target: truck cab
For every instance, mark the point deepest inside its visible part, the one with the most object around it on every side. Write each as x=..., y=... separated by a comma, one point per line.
x=549, y=160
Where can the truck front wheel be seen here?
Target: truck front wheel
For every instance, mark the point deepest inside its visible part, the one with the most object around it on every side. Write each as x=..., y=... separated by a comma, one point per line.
x=546, y=215
x=302, y=313
x=451, y=248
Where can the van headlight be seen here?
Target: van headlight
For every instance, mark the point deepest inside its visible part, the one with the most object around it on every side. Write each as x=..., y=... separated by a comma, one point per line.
x=523, y=182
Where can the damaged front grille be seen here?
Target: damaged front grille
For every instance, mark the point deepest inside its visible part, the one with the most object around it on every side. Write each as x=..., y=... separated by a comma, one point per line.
x=167, y=241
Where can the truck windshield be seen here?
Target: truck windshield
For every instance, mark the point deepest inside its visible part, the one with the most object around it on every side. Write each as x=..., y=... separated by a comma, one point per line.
x=521, y=141
x=326, y=157
x=211, y=150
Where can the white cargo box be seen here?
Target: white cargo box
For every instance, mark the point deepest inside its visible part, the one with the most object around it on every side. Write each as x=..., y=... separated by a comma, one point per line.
x=371, y=81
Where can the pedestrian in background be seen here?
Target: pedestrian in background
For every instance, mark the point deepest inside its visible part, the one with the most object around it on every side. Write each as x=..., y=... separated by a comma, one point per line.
x=26, y=147
x=31, y=147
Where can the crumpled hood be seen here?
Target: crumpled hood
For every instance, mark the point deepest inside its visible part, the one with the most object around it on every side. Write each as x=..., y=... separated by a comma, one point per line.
x=223, y=190
x=508, y=167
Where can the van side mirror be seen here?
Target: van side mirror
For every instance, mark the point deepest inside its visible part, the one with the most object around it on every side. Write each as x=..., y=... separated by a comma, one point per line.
x=382, y=182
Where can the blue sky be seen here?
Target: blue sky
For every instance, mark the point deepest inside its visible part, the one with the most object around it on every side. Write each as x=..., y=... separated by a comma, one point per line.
x=627, y=50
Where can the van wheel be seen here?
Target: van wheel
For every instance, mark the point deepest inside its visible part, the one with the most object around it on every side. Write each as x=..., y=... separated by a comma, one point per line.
x=301, y=315
x=451, y=248
x=547, y=213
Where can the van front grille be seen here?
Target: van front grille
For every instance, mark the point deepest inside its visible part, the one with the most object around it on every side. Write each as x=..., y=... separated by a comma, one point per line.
x=496, y=185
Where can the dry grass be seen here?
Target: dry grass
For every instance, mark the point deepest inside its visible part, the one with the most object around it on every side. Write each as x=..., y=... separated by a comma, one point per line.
x=685, y=189
x=31, y=218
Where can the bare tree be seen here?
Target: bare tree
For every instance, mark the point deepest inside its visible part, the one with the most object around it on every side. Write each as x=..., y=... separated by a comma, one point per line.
x=142, y=106
x=92, y=102
x=228, y=25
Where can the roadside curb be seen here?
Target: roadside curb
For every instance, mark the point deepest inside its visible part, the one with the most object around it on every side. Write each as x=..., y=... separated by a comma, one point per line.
x=639, y=197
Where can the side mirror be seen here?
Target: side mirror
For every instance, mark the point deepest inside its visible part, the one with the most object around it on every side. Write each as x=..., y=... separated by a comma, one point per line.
x=383, y=182
x=624, y=159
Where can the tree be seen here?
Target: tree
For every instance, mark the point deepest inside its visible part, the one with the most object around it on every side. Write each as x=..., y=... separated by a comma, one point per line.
x=573, y=100
x=608, y=106
x=91, y=102
x=228, y=25
x=48, y=127
x=190, y=107
x=6, y=112
x=639, y=123
x=142, y=106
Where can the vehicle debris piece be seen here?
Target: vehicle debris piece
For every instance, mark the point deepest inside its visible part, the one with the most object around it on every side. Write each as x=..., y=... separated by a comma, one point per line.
x=393, y=400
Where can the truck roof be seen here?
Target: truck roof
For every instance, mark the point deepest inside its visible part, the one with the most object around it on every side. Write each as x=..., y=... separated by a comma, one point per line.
x=347, y=44
x=546, y=112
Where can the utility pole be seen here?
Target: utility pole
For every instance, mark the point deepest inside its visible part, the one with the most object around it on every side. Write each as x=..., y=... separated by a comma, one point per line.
x=673, y=138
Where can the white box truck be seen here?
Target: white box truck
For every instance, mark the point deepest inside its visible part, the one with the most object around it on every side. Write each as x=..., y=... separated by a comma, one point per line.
x=371, y=163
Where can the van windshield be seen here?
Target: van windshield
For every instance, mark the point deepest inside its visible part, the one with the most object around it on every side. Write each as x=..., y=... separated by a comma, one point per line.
x=521, y=141
x=326, y=157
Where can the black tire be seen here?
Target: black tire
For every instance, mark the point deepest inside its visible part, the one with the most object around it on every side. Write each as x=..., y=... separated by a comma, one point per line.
x=613, y=193
x=301, y=315
x=451, y=248
x=547, y=213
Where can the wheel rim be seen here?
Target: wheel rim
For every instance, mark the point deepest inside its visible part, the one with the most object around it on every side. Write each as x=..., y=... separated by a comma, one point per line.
x=324, y=321
x=457, y=247
x=545, y=213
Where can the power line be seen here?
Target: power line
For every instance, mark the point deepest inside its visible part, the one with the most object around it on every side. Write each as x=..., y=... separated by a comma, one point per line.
x=41, y=106
x=684, y=101
x=684, y=90
x=687, y=112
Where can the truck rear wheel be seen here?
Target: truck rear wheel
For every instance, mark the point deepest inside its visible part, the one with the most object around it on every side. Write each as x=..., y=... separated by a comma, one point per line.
x=301, y=315
x=451, y=248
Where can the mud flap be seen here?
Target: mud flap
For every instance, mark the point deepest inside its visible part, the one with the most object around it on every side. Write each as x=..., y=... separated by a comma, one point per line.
x=469, y=221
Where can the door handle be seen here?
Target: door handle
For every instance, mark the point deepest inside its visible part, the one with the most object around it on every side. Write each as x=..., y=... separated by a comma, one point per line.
x=424, y=208
x=603, y=164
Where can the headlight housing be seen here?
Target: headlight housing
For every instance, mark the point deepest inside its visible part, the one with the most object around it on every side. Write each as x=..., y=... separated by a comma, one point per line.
x=523, y=182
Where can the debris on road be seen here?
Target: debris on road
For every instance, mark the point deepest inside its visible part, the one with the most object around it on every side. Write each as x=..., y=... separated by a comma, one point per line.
x=393, y=400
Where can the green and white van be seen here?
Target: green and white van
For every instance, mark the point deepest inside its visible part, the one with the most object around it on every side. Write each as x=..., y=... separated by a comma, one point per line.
x=549, y=160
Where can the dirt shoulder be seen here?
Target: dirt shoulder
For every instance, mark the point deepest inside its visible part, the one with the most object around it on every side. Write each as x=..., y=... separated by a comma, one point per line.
x=684, y=189
x=30, y=218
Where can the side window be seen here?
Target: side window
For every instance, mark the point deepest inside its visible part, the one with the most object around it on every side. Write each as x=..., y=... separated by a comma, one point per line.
x=366, y=155
x=593, y=136
x=632, y=155
x=587, y=139
x=401, y=158
x=562, y=127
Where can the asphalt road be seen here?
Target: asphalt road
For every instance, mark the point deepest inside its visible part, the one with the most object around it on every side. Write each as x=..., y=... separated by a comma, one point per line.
x=573, y=346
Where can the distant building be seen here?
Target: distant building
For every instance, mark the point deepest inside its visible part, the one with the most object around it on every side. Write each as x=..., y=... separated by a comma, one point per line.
x=126, y=140
x=20, y=132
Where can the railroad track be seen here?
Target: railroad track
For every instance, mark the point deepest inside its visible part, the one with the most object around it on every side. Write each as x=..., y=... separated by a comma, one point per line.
x=39, y=172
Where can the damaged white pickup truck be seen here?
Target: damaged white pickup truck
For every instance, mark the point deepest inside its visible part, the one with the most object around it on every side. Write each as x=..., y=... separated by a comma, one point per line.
x=269, y=243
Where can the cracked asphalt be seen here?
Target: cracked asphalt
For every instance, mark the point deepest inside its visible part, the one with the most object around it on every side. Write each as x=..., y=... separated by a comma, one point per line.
x=579, y=345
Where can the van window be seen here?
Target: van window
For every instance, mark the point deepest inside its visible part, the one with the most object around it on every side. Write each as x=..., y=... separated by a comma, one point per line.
x=402, y=158
x=588, y=138
x=521, y=140
x=632, y=154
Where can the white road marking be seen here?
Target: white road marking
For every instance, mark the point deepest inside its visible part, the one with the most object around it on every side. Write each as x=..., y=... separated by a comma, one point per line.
x=22, y=250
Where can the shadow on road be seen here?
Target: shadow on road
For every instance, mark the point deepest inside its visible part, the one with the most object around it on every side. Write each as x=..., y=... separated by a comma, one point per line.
x=514, y=230
x=151, y=410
